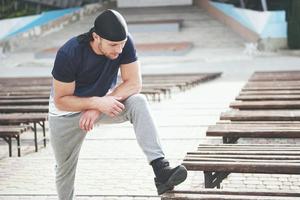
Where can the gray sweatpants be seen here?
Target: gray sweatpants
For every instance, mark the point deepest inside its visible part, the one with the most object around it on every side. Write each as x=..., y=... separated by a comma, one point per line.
x=66, y=139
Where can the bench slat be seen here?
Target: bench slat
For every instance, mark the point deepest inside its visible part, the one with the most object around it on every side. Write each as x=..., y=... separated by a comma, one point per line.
x=243, y=167
x=24, y=102
x=267, y=115
x=291, y=104
x=17, y=118
x=261, y=88
x=270, y=92
x=218, y=194
x=267, y=97
x=261, y=157
x=242, y=130
x=24, y=109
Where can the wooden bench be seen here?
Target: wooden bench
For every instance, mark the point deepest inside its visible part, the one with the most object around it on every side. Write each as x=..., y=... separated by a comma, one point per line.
x=26, y=119
x=270, y=92
x=217, y=194
x=261, y=88
x=24, y=93
x=155, y=94
x=218, y=161
x=272, y=83
x=18, y=102
x=275, y=76
x=24, y=109
x=26, y=81
x=261, y=115
x=262, y=105
x=23, y=97
x=231, y=132
x=154, y=85
x=267, y=97
x=9, y=132
x=33, y=88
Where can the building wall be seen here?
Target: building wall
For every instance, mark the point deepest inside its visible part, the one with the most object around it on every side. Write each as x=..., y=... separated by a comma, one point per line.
x=151, y=3
x=268, y=29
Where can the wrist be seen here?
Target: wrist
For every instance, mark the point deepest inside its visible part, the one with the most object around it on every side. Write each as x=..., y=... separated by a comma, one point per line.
x=96, y=103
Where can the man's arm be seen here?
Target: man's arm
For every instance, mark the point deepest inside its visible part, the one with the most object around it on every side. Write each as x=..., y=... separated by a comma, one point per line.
x=131, y=84
x=65, y=100
x=132, y=81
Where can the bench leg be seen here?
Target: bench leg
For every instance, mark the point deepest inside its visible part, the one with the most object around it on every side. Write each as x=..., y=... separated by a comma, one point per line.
x=230, y=140
x=9, y=147
x=214, y=179
x=208, y=180
x=19, y=145
x=7, y=139
x=35, y=137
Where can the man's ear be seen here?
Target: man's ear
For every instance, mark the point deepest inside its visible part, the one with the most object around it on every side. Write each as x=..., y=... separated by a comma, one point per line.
x=95, y=36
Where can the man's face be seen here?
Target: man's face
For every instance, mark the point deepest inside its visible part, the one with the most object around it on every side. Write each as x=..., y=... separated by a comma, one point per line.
x=110, y=49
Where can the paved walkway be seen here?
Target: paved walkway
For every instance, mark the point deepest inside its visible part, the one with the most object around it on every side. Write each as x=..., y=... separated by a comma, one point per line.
x=111, y=165
x=111, y=162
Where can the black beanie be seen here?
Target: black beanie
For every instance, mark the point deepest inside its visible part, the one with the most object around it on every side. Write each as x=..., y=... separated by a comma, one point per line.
x=110, y=25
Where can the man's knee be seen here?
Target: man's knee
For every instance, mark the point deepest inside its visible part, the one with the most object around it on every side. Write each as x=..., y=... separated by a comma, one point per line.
x=136, y=100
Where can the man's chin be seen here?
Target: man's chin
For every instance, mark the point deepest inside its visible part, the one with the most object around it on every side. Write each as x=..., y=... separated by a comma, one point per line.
x=114, y=56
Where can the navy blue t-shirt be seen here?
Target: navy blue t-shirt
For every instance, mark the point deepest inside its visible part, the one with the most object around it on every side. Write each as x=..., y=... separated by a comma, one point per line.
x=93, y=74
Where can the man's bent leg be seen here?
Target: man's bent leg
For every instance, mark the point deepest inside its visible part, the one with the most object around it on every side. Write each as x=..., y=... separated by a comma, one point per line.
x=139, y=114
x=66, y=140
x=137, y=111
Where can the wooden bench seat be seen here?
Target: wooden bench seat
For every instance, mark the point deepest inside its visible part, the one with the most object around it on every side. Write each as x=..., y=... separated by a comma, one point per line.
x=26, y=88
x=272, y=83
x=155, y=94
x=25, y=93
x=154, y=85
x=270, y=92
x=275, y=76
x=26, y=118
x=24, y=109
x=217, y=194
x=25, y=81
x=232, y=132
x=181, y=86
x=261, y=88
x=9, y=132
x=261, y=115
x=254, y=105
x=218, y=161
x=23, y=97
x=18, y=102
x=267, y=97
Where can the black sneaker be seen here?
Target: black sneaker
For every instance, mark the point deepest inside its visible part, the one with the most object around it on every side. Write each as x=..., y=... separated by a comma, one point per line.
x=167, y=177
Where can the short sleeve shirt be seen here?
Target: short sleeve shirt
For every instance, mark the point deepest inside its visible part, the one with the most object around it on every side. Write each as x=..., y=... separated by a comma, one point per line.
x=93, y=74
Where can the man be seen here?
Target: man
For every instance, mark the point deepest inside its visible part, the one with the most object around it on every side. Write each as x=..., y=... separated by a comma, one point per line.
x=84, y=71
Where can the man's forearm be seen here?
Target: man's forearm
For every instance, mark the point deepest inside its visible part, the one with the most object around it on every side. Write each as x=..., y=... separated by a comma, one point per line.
x=75, y=104
x=126, y=89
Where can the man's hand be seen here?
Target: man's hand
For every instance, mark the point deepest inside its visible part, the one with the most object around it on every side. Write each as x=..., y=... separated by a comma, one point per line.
x=111, y=105
x=88, y=119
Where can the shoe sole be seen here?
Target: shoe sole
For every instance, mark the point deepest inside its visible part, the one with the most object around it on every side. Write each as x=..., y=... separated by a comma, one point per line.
x=177, y=177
